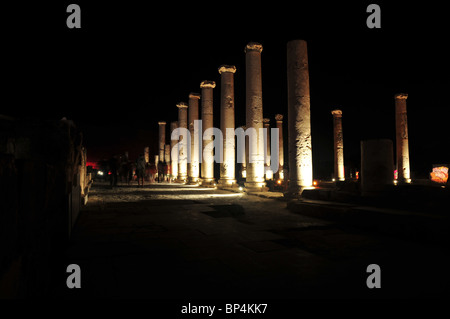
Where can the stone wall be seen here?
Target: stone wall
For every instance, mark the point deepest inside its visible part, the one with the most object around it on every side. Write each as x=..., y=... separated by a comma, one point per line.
x=41, y=182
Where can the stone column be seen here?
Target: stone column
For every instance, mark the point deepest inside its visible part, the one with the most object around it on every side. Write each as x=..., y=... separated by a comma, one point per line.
x=227, y=167
x=167, y=153
x=299, y=118
x=162, y=140
x=401, y=139
x=167, y=160
x=147, y=154
x=194, y=165
x=182, y=160
x=268, y=171
x=207, y=122
x=254, y=116
x=339, y=173
x=173, y=152
x=243, y=159
x=279, y=120
x=156, y=166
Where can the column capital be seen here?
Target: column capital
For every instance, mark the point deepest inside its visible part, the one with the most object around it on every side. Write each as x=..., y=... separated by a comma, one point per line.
x=182, y=105
x=253, y=46
x=337, y=113
x=279, y=117
x=208, y=84
x=266, y=120
x=162, y=123
x=194, y=95
x=401, y=96
x=227, y=68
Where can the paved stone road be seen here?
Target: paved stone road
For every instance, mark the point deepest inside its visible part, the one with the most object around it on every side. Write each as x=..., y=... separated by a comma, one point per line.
x=171, y=241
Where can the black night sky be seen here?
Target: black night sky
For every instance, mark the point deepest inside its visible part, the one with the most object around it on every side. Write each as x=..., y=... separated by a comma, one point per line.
x=131, y=62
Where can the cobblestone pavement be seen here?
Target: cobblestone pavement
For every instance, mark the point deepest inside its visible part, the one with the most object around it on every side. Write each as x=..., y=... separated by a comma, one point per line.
x=169, y=241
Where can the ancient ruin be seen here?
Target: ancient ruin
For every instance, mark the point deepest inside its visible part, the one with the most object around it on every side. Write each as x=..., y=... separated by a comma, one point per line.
x=162, y=140
x=227, y=167
x=401, y=139
x=183, y=143
x=207, y=164
x=254, y=117
x=173, y=152
x=279, y=121
x=299, y=118
x=339, y=173
x=194, y=165
x=268, y=171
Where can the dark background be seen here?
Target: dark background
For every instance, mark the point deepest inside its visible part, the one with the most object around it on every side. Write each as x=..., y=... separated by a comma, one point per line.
x=132, y=62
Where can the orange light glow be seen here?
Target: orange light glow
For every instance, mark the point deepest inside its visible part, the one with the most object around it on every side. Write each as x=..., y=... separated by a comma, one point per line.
x=439, y=174
x=315, y=183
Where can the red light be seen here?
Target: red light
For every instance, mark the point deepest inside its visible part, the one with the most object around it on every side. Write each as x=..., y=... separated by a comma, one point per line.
x=92, y=164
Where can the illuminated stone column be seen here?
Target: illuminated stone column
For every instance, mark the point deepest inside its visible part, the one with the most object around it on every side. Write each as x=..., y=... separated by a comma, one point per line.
x=279, y=120
x=182, y=145
x=268, y=171
x=243, y=158
x=254, y=116
x=147, y=154
x=339, y=173
x=207, y=166
x=156, y=166
x=167, y=153
x=194, y=165
x=227, y=167
x=299, y=118
x=167, y=160
x=162, y=140
x=173, y=152
x=401, y=140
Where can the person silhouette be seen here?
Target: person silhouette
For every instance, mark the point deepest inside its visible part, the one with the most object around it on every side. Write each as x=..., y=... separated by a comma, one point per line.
x=140, y=169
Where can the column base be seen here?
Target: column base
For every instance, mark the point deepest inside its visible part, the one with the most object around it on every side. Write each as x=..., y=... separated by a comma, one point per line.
x=193, y=181
x=295, y=192
x=403, y=181
x=269, y=175
x=255, y=187
x=227, y=183
x=208, y=182
x=182, y=179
